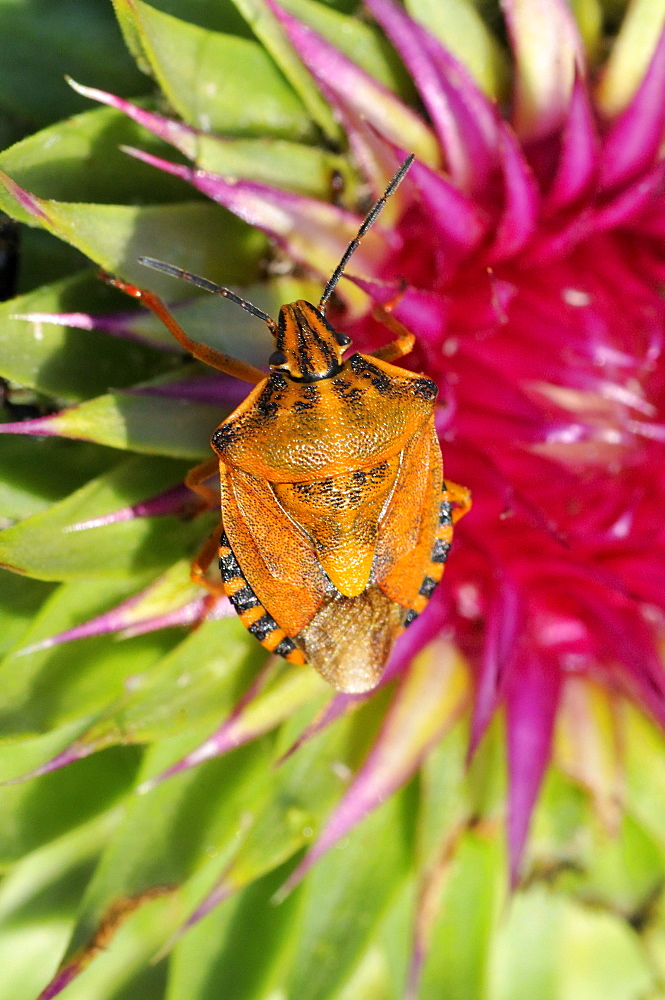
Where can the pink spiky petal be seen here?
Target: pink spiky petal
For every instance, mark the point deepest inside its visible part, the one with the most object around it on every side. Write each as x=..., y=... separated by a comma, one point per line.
x=117, y=324
x=633, y=141
x=578, y=157
x=369, y=99
x=174, y=500
x=176, y=133
x=531, y=705
x=312, y=232
x=456, y=107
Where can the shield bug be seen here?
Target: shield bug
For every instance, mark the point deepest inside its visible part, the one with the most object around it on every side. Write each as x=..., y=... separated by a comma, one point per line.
x=335, y=518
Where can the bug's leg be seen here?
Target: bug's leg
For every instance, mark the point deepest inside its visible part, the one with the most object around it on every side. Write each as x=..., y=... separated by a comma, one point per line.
x=195, y=480
x=461, y=497
x=203, y=560
x=404, y=339
x=216, y=359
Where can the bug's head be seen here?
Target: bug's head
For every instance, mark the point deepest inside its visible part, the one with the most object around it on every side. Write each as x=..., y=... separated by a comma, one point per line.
x=307, y=347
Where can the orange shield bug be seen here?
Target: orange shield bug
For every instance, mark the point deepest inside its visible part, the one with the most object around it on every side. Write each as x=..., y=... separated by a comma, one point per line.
x=335, y=518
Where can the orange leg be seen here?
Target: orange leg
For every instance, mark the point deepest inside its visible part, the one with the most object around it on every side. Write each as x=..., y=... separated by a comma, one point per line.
x=461, y=496
x=404, y=340
x=202, y=562
x=216, y=359
x=196, y=478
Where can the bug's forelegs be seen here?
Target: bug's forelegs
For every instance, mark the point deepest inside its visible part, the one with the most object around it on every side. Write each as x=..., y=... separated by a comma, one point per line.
x=404, y=339
x=461, y=497
x=216, y=359
x=196, y=479
x=203, y=560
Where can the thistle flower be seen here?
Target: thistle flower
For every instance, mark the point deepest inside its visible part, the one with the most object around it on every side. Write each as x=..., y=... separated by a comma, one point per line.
x=525, y=252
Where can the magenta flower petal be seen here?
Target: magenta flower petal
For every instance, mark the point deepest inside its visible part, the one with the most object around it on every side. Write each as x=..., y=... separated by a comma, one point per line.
x=445, y=95
x=368, y=98
x=634, y=139
x=312, y=232
x=422, y=312
x=521, y=202
x=504, y=622
x=578, y=159
x=455, y=215
x=532, y=702
x=182, y=136
x=628, y=205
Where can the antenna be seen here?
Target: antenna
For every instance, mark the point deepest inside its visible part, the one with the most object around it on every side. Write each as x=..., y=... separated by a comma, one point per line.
x=208, y=286
x=370, y=220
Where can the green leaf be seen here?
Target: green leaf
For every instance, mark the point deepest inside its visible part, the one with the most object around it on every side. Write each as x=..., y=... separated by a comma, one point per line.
x=218, y=82
x=153, y=425
x=459, y=950
x=167, y=834
x=197, y=682
x=555, y=949
x=44, y=40
x=291, y=166
x=304, y=787
x=80, y=159
x=67, y=363
x=219, y=957
x=45, y=546
x=37, y=472
x=75, y=682
x=58, y=870
x=269, y=31
x=316, y=937
x=199, y=236
x=50, y=807
x=19, y=598
x=44, y=258
x=214, y=16
x=347, y=893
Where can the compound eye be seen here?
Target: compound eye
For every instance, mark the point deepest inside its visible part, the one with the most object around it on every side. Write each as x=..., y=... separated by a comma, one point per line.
x=342, y=339
x=277, y=359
